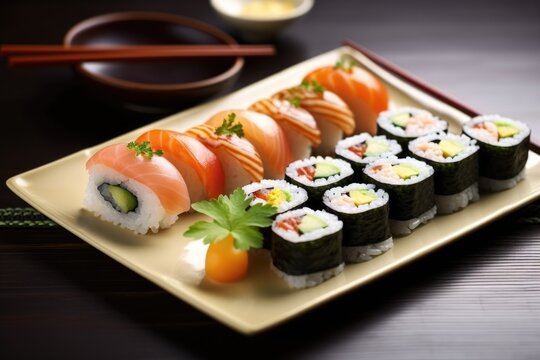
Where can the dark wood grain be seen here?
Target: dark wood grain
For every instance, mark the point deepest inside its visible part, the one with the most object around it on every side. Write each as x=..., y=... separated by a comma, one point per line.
x=478, y=298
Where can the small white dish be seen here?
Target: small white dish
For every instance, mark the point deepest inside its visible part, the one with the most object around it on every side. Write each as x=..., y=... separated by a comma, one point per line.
x=260, y=20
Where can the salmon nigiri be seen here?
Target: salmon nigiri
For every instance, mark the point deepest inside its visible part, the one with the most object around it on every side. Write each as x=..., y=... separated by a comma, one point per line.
x=265, y=135
x=333, y=116
x=298, y=125
x=135, y=187
x=365, y=95
x=199, y=166
x=241, y=162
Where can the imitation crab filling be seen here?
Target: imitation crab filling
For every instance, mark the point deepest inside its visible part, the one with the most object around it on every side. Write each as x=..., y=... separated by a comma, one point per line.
x=398, y=171
x=355, y=198
x=495, y=130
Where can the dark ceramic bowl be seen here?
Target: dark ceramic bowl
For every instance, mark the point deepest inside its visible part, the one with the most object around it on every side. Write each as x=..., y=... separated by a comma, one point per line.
x=157, y=85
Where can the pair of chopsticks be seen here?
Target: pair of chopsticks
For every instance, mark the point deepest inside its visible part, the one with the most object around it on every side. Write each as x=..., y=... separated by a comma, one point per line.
x=534, y=144
x=33, y=55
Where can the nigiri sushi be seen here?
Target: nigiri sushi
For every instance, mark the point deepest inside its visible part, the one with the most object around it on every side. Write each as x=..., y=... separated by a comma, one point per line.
x=199, y=166
x=332, y=115
x=298, y=125
x=265, y=135
x=241, y=162
x=365, y=95
x=135, y=187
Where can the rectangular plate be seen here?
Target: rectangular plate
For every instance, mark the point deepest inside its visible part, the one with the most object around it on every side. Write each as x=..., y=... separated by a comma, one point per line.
x=261, y=300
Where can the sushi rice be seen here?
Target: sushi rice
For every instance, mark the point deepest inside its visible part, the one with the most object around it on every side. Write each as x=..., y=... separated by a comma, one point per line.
x=384, y=122
x=315, y=187
x=358, y=163
x=149, y=214
x=523, y=133
x=456, y=177
x=298, y=195
x=345, y=171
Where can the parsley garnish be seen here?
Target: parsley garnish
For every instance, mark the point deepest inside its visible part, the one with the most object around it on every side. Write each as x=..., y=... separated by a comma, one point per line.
x=345, y=64
x=312, y=86
x=229, y=129
x=144, y=149
x=232, y=216
x=294, y=101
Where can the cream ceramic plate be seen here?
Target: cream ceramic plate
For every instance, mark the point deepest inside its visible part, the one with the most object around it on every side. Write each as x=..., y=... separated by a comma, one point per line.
x=261, y=300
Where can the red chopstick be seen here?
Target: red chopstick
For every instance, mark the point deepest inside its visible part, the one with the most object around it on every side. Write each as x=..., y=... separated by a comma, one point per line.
x=19, y=55
x=424, y=86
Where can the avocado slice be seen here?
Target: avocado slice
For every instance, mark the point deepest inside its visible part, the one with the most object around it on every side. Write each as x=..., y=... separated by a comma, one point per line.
x=124, y=199
x=450, y=148
x=401, y=119
x=311, y=223
x=325, y=169
x=405, y=171
x=506, y=130
x=362, y=197
x=375, y=147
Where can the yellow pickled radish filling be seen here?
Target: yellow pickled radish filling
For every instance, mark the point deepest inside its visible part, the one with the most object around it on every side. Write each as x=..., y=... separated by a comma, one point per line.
x=276, y=197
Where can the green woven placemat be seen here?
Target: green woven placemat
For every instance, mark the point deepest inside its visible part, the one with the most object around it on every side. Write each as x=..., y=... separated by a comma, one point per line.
x=31, y=218
x=24, y=218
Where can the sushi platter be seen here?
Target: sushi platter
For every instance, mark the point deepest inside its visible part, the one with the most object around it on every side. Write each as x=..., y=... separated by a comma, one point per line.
x=262, y=300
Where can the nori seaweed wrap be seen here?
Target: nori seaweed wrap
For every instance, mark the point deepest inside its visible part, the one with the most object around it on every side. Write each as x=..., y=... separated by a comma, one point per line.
x=306, y=247
x=364, y=212
x=410, y=185
x=504, y=150
x=318, y=174
x=455, y=161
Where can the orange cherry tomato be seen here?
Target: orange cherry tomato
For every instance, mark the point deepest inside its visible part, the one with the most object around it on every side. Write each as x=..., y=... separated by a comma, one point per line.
x=224, y=263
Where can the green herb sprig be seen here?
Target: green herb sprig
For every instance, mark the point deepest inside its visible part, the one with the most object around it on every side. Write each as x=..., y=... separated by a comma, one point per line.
x=228, y=127
x=294, y=101
x=345, y=64
x=312, y=85
x=233, y=216
x=144, y=149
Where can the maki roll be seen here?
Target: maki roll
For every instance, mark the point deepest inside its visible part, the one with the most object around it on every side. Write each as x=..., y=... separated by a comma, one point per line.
x=455, y=161
x=364, y=212
x=504, y=149
x=318, y=174
x=278, y=193
x=410, y=185
x=407, y=123
x=359, y=150
x=306, y=247
x=135, y=187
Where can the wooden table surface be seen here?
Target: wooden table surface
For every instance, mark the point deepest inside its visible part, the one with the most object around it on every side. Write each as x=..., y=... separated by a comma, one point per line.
x=478, y=298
